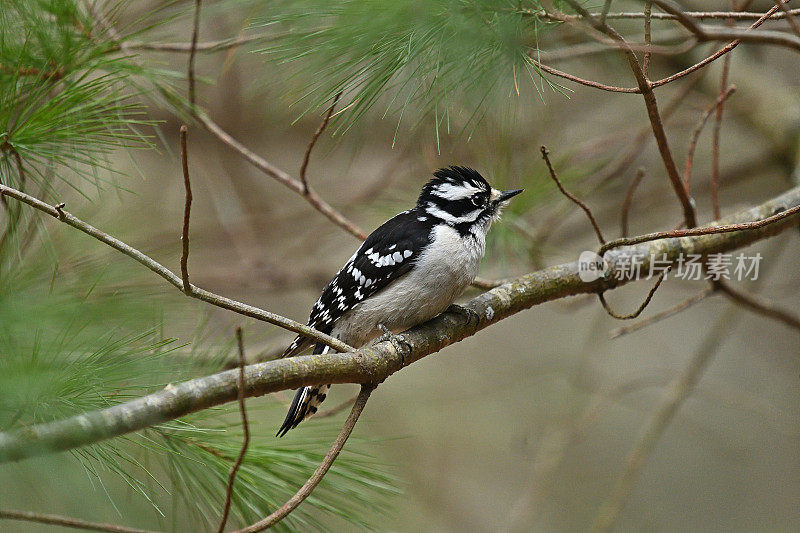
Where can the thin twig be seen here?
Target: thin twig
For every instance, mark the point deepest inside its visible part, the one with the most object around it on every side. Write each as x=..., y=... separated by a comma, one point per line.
x=582, y=81
x=208, y=46
x=716, y=55
x=245, y=428
x=614, y=167
x=723, y=87
x=282, y=177
x=716, y=33
x=687, y=173
x=311, y=144
x=663, y=81
x=576, y=200
x=66, y=521
x=626, y=203
x=604, y=12
x=51, y=75
x=648, y=13
x=174, y=280
x=700, y=15
x=759, y=306
x=681, y=306
x=645, y=303
x=677, y=392
x=576, y=51
x=260, y=163
x=193, y=51
x=335, y=410
x=187, y=209
x=694, y=232
x=309, y=486
x=653, y=114
x=789, y=16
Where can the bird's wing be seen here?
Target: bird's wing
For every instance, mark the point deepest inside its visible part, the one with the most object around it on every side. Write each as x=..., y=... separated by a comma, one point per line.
x=388, y=253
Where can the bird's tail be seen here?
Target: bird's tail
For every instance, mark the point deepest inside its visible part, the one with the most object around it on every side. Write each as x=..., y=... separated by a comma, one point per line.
x=306, y=401
x=305, y=404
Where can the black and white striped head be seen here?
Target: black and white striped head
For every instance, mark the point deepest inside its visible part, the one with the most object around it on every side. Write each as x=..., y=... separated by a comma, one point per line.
x=461, y=197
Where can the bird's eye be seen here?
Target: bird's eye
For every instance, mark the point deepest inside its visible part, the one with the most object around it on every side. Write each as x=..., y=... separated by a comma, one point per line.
x=476, y=201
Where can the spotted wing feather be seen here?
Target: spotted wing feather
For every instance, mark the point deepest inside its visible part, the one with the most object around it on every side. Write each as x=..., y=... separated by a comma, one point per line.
x=388, y=253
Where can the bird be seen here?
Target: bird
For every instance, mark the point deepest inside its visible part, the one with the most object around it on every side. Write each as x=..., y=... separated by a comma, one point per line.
x=406, y=272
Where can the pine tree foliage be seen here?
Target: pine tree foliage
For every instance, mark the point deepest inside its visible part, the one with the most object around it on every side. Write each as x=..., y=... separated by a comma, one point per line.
x=445, y=59
x=82, y=329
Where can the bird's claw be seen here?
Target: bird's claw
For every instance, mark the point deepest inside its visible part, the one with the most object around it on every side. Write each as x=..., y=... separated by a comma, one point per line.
x=472, y=316
x=400, y=344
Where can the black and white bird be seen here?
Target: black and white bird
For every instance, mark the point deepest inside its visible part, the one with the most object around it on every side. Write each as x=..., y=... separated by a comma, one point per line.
x=406, y=272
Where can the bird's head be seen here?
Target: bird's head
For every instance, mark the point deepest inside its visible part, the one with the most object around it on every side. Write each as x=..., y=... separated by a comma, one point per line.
x=460, y=196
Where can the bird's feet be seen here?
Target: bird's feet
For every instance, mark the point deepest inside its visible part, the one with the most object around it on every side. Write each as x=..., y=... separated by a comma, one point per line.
x=472, y=316
x=399, y=343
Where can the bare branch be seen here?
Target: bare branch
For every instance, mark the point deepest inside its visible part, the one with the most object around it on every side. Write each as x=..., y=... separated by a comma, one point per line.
x=645, y=303
x=66, y=521
x=187, y=209
x=759, y=306
x=335, y=410
x=626, y=203
x=245, y=428
x=260, y=163
x=282, y=177
x=193, y=51
x=694, y=232
x=681, y=306
x=311, y=144
x=687, y=173
x=162, y=271
x=658, y=83
x=582, y=81
x=575, y=199
x=789, y=16
x=375, y=363
x=648, y=13
x=209, y=46
x=646, y=87
x=604, y=12
x=677, y=392
x=716, y=33
x=309, y=486
x=700, y=15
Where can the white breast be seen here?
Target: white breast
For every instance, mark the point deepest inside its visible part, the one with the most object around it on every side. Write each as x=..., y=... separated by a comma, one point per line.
x=440, y=274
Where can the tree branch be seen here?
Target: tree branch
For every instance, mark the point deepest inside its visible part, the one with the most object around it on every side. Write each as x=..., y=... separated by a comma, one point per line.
x=58, y=212
x=66, y=521
x=716, y=33
x=309, y=486
x=375, y=363
x=246, y=429
x=193, y=51
x=279, y=175
x=575, y=199
x=687, y=173
x=700, y=15
x=677, y=392
x=646, y=87
x=187, y=210
x=209, y=46
x=314, y=139
x=661, y=315
x=658, y=83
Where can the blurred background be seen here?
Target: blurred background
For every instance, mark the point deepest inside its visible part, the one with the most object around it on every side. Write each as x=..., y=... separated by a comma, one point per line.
x=527, y=426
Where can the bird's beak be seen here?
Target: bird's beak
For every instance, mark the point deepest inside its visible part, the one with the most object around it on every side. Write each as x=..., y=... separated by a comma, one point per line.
x=502, y=196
